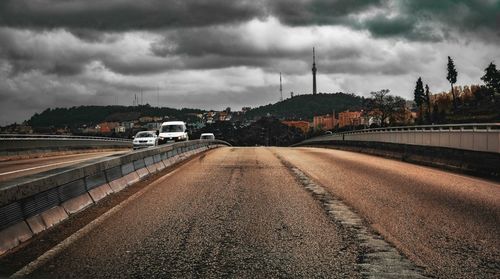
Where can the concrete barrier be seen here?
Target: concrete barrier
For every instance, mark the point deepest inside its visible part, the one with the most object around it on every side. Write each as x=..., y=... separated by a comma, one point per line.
x=30, y=145
x=483, y=164
x=483, y=137
x=467, y=148
x=30, y=205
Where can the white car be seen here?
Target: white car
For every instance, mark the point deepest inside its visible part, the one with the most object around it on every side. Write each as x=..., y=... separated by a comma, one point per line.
x=173, y=131
x=207, y=136
x=145, y=139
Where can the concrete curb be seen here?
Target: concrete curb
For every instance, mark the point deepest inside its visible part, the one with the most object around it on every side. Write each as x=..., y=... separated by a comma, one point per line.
x=37, y=203
x=14, y=235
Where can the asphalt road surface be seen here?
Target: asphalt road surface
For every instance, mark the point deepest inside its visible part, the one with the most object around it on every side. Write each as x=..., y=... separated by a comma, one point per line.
x=22, y=167
x=294, y=213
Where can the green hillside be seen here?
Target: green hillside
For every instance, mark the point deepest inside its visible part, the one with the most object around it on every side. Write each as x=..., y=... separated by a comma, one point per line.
x=306, y=106
x=75, y=116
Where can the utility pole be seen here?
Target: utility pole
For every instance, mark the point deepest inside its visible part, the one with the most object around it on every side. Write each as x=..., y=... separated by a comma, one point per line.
x=281, y=90
x=141, y=98
x=158, y=95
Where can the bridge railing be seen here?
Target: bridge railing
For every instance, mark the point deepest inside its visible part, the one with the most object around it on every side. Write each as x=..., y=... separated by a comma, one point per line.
x=483, y=137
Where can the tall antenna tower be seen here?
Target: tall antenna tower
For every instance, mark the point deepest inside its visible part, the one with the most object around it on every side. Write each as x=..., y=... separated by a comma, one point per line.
x=314, y=72
x=281, y=90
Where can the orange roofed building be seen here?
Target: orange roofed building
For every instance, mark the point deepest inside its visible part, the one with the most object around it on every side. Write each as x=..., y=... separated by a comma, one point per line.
x=324, y=122
x=350, y=118
x=106, y=127
x=302, y=125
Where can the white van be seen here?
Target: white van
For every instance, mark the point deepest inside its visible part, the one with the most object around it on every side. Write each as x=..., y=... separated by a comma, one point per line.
x=207, y=136
x=172, y=131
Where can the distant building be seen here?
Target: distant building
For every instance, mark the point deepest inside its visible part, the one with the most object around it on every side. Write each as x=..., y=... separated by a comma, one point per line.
x=372, y=117
x=24, y=129
x=89, y=130
x=350, y=118
x=127, y=124
x=152, y=126
x=302, y=125
x=209, y=117
x=224, y=116
x=120, y=129
x=106, y=127
x=146, y=119
x=194, y=114
x=324, y=122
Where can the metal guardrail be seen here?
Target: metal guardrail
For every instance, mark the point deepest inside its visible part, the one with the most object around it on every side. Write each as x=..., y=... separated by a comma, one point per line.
x=483, y=137
x=58, y=137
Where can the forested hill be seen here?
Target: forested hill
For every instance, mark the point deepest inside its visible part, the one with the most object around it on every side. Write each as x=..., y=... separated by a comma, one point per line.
x=307, y=106
x=75, y=116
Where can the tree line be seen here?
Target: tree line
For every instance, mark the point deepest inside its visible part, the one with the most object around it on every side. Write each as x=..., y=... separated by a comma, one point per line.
x=476, y=102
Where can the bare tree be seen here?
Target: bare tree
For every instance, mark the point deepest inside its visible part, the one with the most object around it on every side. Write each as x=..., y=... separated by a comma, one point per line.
x=390, y=108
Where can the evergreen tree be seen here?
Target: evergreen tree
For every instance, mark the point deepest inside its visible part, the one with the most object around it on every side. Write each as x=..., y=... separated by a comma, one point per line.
x=428, y=100
x=452, y=78
x=419, y=97
x=492, y=78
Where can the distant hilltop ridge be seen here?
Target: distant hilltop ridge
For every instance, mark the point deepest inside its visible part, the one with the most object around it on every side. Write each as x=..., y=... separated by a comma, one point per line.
x=298, y=107
x=305, y=107
x=76, y=116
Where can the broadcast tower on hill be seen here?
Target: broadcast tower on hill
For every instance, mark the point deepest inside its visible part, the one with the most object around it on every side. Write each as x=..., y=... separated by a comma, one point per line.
x=314, y=72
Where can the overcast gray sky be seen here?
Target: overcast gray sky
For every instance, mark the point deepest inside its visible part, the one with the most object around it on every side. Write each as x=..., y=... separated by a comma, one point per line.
x=215, y=53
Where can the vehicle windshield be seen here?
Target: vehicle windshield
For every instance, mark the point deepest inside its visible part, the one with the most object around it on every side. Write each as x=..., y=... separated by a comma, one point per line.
x=144, y=135
x=206, y=137
x=172, y=128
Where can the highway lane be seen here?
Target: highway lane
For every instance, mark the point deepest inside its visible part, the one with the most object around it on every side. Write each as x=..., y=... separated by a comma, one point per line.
x=236, y=212
x=448, y=223
x=22, y=167
x=241, y=212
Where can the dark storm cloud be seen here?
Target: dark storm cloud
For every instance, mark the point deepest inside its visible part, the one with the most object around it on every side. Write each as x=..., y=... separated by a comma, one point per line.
x=125, y=15
x=222, y=41
x=25, y=52
x=411, y=19
x=307, y=12
x=464, y=14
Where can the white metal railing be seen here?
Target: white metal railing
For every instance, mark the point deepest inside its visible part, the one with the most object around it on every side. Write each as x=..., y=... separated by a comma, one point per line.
x=477, y=137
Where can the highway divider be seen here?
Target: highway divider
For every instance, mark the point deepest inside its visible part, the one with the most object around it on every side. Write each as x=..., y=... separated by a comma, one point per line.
x=30, y=205
x=12, y=145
